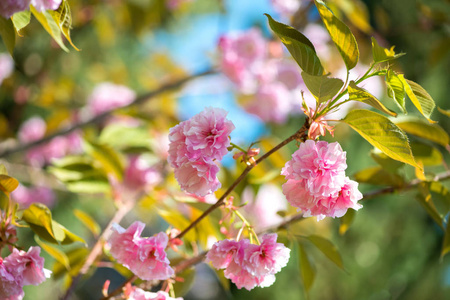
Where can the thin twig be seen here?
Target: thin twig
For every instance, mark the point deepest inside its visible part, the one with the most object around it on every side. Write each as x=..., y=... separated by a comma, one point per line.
x=99, y=118
x=97, y=249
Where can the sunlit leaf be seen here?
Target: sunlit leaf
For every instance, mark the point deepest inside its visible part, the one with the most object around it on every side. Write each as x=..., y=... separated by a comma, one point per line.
x=49, y=24
x=359, y=94
x=89, y=186
x=63, y=17
x=88, y=221
x=21, y=20
x=396, y=89
x=54, y=252
x=306, y=268
x=107, y=157
x=444, y=112
x=328, y=249
x=378, y=175
x=177, y=220
x=357, y=13
x=39, y=215
x=8, y=34
x=120, y=136
x=3, y=170
x=322, y=87
x=435, y=198
x=340, y=34
x=301, y=49
x=431, y=132
x=427, y=155
x=69, y=237
x=381, y=54
x=8, y=184
x=426, y=202
x=419, y=97
x=382, y=134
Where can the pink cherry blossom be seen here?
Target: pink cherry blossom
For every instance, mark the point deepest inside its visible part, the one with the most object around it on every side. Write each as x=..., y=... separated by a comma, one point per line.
x=42, y=5
x=6, y=65
x=26, y=196
x=10, y=7
x=320, y=38
x=145, y=257
x=248, y=265
x=27, y=265
x=140, y=174
x=32, y=130
x=271, y=103
x=107, y=96
x=195, y=146
x=139, y=294
x=286, y=7
x=10, y=286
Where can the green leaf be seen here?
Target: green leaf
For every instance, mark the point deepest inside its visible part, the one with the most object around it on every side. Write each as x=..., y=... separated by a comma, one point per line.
x=381, y=54
x=39, y=215
x=306, y=268
x=3, y=170
x=378, y=175
x=8, y=34
x=89, y=186
x=346, y=221
x=301, y=49
x=328, y=249
x=76, y=258
x=427, y=155
x=419, y=97
x=385, y=161
x=107, y=157
x=435, y=198
x=21, y=20
x=8, y=183
x=63, y=17
x=382, y=134
x=88, y=221
x=54, y=252
x=446, y=242
x=322, y=87
x=119, y=136
x=396, y=89
x=431, y=132
x=444, y=112
x=340, y=34
x=49, y=24
x=69, y=237
x=359, y=94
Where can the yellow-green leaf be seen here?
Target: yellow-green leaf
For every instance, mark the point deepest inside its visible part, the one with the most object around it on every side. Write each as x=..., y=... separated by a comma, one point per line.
x=301, y=49
x=21, y=20
x=76, y=258
x=3, y=170
x=396, y=89
x=39, y=215
x=7, y=183
x=340, y=34
x=328, y=249
x=8, y=34
x=63, y=17
x=359, y=94
x=431, y=132
x=381, y=54
x=444, y=112
x=385, y=161
x=419, y=97
x=382, y=134
x=378, y=175
x=54, y=252
x=107, y=157
x=307, y=270
x=427, y=155
x=49, y=24
x=322, y=87
x=88, y=221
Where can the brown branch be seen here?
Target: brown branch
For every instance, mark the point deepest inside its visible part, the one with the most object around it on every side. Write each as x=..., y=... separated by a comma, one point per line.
x=97, y=249
x=299, y=135
x=101, y=117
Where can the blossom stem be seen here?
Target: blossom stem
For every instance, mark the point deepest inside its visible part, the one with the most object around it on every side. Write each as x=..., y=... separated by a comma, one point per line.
x=237, y=147
x=299, y=135
x=120, y=288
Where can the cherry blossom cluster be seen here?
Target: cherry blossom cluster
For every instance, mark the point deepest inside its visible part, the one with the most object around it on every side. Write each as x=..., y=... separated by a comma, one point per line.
x=34, y=129
x=140, y=294
x=107, y=96
x=248, y=265
x=195, y=146
x=316, y=181
x=25, y=196
x=145, y=257
x=10, y=7
x=21, y=268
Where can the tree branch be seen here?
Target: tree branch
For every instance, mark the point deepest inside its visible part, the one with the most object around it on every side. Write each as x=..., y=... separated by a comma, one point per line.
x=99, y=118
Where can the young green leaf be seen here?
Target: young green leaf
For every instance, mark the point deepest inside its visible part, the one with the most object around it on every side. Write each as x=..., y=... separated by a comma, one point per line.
x=107, y=157
x=8, y=34
x=431, y=132
x=427, y=155
x=322, y=87
x=419, y=97
x=301, y=49
x=88, y=221
x=340, y=34
x=54, y=252
x=381, y=133
x=396, y=89
x=328, y=249
x=359, y=94
x=8, y=183
x=306, y=268
x=381, y=54
x=63, y=18
x=444, y=112
x=39, y=215
x=76, y=258
x=21, y=20
x=49, y=24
